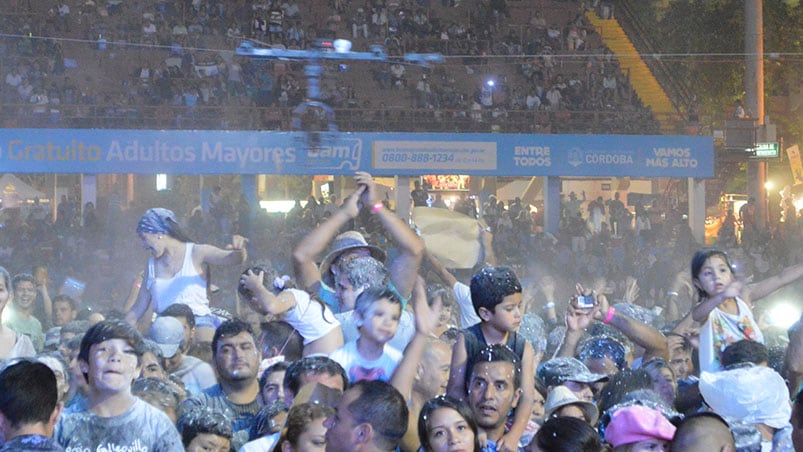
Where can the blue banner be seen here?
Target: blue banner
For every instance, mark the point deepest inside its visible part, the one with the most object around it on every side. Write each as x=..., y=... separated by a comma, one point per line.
x=106, y=151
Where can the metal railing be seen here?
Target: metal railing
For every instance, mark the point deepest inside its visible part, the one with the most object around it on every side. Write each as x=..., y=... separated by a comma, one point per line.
x=347, y=119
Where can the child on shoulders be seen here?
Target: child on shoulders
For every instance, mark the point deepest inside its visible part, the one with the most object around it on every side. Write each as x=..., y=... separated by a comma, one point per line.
x=268, y=292
x=369, y=357
x=496, y=296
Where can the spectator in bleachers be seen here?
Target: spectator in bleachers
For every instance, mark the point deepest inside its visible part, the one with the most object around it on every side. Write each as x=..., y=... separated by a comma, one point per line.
x=359, y=24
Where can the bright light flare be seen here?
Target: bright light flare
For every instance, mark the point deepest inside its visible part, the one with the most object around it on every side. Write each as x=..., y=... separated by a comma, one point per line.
x=784, y=315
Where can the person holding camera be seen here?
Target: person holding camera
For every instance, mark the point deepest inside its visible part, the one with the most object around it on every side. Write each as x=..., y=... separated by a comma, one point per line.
x=587, y=307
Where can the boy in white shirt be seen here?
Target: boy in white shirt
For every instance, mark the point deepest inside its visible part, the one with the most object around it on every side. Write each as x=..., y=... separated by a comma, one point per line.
x=369, y=357
x=115, y=419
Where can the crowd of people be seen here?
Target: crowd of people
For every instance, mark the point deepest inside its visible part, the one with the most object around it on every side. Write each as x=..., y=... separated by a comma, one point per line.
x=158, y=64
x=339, y=329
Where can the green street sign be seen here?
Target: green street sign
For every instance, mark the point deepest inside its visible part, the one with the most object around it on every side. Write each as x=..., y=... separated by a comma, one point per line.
x=765, y=151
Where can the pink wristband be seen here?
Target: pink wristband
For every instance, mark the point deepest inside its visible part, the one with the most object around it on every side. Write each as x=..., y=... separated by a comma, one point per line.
x=377, y=207
x=609, y=317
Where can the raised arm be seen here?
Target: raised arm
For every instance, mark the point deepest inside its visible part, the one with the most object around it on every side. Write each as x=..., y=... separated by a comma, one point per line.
x=461, y=292
x=47, y=303
x=263, y=300
x=425, y=318
x=765, y=287
x=649, y=338
x=234, y=254
x=404, y=268
x=314, y=243
x=436, y=266
x=142, y=302
x=701, y=310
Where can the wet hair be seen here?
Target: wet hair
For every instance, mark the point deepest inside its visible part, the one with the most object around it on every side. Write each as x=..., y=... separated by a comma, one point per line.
x=157, y=392
x=153, y=347
x=445, y=402
x=384, y=408
x=180, y=310
x=74, y=343
x=315, y=365
x=373, y=294
x=75, y=327
x=203, y=420
x=567, y=434
x=52, y=359
x=698, y=261
x=540, y=387
x=491, y=285
x=599, y=347
x=621, y=383
x=66, y=299
x=745, y=351
x=364, y=271
x=438, y=290
x=499, y=353
x=111, y=329
x=22, y=277
x=281, y=366
x=263, y=423
x=657, y=364
x=284, y=337
x=268, y=278
x=28, y=393
x=7, y=278
x=231, y=328
x=299, y=418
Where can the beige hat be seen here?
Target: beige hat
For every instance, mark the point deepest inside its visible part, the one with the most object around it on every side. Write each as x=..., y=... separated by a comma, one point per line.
x=344, y=242
x=561, y=396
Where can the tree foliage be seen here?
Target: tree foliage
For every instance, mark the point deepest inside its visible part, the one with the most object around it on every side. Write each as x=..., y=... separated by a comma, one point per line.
x=705, y=39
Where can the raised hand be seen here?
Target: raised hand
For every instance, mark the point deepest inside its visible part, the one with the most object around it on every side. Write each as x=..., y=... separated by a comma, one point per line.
x=369, y=196
x=351, y=205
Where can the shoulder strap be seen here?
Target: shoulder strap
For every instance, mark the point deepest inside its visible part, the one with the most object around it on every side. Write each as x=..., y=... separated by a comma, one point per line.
x=151, y=273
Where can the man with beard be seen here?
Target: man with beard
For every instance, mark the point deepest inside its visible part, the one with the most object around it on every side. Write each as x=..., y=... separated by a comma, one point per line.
x=494, y=389
x=236, y=358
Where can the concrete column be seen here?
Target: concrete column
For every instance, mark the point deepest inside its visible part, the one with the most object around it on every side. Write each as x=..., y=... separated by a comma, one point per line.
x=697, y=208
x=89, y=192
x=248, y=186
x=552, y=187
x=403, y=202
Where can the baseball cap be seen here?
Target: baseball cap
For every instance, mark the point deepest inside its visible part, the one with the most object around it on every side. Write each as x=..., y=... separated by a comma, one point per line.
x=167, y=332
x=557, y=371
x=637, y=423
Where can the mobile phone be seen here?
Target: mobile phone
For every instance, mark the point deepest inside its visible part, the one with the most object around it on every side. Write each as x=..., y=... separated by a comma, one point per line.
x=585, y=301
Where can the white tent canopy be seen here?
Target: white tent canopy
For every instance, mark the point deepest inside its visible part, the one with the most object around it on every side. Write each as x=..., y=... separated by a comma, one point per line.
x=14, y=192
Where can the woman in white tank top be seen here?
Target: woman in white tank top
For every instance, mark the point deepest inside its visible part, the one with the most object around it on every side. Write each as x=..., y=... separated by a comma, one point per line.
x=176, y=272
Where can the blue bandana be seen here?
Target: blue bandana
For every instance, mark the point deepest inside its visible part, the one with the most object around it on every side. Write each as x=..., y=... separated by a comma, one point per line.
x=155, y=221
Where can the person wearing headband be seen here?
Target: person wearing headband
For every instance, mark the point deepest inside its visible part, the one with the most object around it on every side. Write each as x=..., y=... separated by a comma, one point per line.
x=178, y=270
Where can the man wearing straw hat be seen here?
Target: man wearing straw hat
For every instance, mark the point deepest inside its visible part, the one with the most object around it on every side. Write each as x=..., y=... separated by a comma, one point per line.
x=349, y=245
